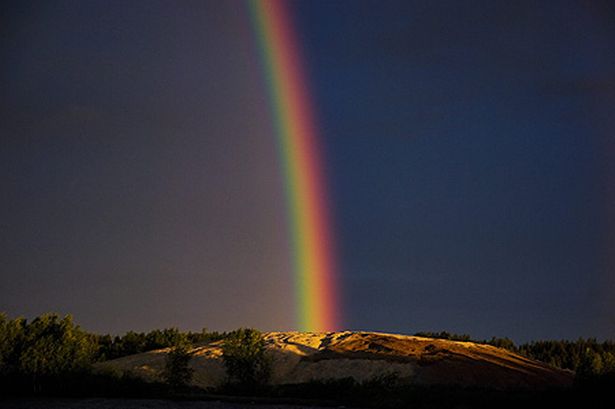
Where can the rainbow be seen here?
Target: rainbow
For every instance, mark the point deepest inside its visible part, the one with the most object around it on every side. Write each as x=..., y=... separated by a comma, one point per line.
x=302, y=164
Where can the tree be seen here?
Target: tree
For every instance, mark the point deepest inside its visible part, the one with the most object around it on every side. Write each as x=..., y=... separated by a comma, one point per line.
x=12, y=334
x=591, y=364
x=505, y=343
x=608, y=362
x=245, y=358
x=53, y=346
x=177, y=373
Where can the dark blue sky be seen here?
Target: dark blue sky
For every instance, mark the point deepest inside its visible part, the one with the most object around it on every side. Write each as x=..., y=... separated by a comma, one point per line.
x=470, y=150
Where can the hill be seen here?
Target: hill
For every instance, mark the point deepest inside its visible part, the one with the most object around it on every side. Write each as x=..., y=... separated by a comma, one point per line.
x=301, y=357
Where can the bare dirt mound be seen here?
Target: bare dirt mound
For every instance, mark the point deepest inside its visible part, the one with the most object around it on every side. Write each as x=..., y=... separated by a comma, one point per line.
x=301, y=357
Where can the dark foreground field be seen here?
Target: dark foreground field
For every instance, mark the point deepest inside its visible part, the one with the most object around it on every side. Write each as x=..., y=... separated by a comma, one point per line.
x=429, y=400
x=133, y=404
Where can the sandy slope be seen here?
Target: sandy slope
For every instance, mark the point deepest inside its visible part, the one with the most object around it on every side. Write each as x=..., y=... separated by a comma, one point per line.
x=300, y=357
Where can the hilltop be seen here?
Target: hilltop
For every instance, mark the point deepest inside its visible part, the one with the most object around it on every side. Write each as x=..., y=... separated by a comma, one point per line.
x=300, y=357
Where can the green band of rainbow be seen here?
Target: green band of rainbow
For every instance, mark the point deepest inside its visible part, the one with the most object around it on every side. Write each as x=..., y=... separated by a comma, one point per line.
x=302, y=164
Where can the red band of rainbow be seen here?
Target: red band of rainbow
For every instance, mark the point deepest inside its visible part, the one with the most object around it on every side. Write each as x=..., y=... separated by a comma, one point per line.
x=302, y=164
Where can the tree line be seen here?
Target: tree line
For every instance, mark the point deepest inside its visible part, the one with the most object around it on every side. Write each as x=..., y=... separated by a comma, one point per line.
x=586, y=357
x=112, y=347
x=51, y=352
